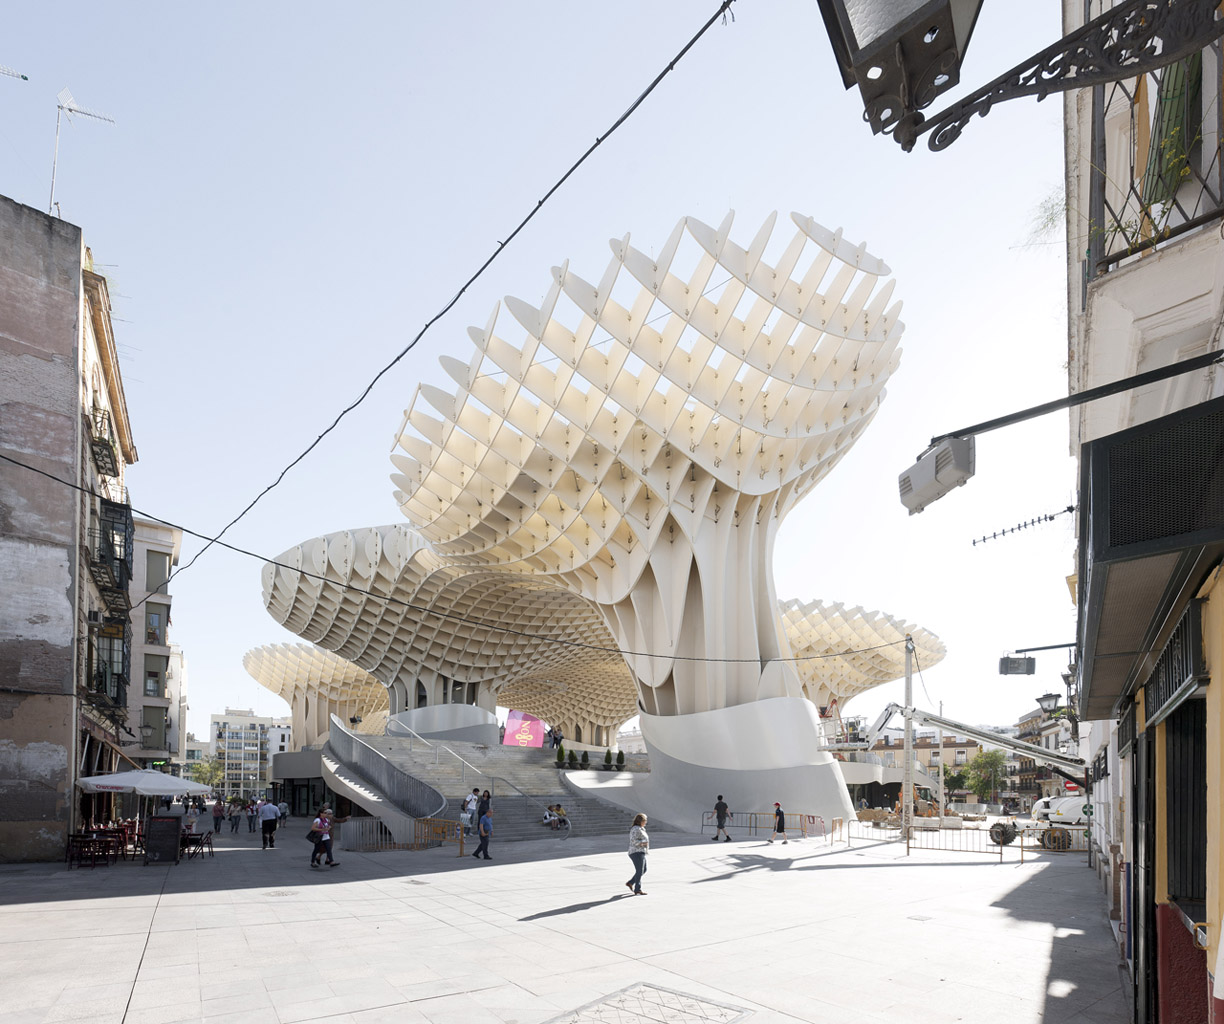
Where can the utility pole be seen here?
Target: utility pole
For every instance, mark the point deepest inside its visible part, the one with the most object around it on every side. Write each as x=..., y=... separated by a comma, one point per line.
x=907, y=783
x=941, y=768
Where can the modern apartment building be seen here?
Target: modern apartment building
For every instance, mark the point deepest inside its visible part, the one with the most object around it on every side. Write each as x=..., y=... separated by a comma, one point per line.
x=157, y=696
x=66, y=535
x=192, y=753
x=244, y=744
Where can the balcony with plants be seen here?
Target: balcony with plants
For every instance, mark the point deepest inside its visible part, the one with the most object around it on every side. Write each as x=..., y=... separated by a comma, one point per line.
x=1156, y=168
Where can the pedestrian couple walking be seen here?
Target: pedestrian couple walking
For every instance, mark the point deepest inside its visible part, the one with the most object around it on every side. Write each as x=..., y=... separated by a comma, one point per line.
x=322, y=830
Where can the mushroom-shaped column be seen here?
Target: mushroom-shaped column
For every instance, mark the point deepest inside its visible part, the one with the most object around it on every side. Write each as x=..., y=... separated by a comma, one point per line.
x=640, y=446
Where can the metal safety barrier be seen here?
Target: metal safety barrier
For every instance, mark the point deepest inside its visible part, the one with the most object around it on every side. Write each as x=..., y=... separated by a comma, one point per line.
x=760, y=825
x=366, y=835
x=431, y=832
x=1054, y=839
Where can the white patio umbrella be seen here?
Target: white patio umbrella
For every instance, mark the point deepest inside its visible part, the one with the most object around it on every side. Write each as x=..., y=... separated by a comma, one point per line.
x=146, y=782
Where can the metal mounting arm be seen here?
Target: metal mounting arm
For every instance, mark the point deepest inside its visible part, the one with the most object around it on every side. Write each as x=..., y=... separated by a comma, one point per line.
x=1128, y=40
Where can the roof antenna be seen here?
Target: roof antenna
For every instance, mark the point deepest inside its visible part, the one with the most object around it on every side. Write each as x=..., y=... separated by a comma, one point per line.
x=67, y=106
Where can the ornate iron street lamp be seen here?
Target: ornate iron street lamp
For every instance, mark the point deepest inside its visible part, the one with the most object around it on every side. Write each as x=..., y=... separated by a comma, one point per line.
x=904, y=53
x=1048, y=702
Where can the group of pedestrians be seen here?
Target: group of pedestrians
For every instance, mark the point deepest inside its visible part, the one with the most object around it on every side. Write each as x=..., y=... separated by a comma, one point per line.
x=555, y=737
x=265, y=812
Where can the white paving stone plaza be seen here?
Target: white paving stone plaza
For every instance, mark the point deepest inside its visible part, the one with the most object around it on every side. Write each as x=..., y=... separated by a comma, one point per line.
x=547, y=932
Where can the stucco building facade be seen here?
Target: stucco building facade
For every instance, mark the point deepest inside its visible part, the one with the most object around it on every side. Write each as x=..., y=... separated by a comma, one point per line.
x=65, y=532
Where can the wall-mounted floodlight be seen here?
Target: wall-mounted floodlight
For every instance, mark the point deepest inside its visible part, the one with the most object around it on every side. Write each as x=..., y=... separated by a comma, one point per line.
x=948, y=459
x=947, y=465
x=66, y=107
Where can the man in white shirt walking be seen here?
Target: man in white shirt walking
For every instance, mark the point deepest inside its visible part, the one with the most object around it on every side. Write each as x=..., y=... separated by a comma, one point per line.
x=470, y=803
x=268, y=815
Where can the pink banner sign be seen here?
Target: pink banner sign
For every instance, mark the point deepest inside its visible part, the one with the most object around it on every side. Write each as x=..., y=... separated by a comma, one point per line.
x=523, y=730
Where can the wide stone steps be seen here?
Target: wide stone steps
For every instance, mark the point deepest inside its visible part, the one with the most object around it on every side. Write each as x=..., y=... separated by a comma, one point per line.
x=522, y=781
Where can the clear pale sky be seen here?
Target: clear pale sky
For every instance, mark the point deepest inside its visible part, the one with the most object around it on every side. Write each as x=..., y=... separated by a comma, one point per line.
x=291, y=190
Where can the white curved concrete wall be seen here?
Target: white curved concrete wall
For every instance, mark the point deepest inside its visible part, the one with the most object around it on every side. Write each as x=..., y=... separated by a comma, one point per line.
x=464, y=722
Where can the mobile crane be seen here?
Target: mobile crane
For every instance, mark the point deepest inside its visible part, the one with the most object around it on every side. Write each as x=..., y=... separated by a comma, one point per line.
x=1001, y=832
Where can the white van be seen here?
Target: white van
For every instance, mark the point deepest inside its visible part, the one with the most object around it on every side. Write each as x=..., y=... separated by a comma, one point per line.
x=1066, y=810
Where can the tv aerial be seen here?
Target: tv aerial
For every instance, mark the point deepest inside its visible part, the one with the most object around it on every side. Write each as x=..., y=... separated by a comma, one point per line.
x=65, y=108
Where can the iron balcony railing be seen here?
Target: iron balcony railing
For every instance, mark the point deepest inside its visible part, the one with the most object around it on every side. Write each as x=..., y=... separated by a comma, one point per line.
x=102, y=442
x=1180, y=670
x=1156, y=170
x=1126, y=729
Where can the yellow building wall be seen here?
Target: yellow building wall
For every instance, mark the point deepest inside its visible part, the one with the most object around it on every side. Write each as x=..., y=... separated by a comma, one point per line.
x=1213, y=653
x=1160, y=855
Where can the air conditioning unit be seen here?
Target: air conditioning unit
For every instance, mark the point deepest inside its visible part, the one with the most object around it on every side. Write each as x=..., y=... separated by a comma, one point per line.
x=94, y=617
x=946, y=466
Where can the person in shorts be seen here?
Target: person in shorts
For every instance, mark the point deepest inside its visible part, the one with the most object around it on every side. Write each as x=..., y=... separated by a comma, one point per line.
x=721, y=815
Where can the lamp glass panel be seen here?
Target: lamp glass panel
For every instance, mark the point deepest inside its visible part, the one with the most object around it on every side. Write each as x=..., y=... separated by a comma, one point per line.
x=871, y=20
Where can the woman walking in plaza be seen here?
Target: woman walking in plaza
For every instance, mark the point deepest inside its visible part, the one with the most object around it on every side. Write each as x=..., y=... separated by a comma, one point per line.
x=323, y=825
x=639, y=843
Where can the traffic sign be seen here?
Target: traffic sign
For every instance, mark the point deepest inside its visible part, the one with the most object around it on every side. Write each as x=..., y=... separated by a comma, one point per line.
x=1068, y=784
x=1088, y=809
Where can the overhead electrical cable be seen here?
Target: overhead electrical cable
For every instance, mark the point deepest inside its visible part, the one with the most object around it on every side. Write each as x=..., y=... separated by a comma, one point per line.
x=723, y=8
x=453, y=616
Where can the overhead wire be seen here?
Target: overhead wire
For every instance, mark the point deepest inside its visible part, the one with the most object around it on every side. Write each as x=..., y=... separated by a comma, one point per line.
x=722, y=10
x=452, y=616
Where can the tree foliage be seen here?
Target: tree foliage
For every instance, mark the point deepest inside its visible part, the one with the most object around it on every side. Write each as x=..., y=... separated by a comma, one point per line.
x=209, y=771
x=954, y=780
x=986, y=772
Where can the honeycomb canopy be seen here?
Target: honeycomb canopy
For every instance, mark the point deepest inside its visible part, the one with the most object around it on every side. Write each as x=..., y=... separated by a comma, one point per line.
x=664, y=394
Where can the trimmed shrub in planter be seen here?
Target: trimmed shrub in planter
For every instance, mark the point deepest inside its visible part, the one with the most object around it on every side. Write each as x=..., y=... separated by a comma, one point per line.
x=586, y=760
x=572, y=759
x=560, y=756
x=608, y=760
x=620, y=760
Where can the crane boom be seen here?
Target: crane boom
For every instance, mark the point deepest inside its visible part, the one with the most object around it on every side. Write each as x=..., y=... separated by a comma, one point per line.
x=1067, y=762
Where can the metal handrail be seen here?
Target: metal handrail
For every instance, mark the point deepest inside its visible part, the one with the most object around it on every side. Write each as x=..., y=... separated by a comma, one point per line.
x=415, y=798
x=412, y=734
x=437, y=748
x=495, y=779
